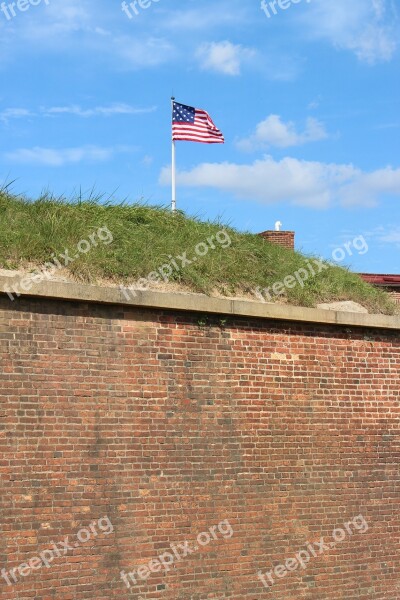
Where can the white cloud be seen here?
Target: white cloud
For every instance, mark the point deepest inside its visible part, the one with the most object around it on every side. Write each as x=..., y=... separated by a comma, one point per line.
x=315, y=103
x=143, y=53
x=274, y=132
x=52, y=157
x=391, y=237
x=223, y=57
x=76, y=110
x=14, y=113
x=368, y=28
x=102, y=32
x=299, y=182
x=393, y=125
x=386, y=234
x=147, y=160
x=368, y=186
x=223, y=13
x=55, y=20
x=101, y=111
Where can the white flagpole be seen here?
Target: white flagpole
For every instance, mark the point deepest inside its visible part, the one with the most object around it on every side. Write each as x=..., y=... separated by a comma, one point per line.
x=173, y=204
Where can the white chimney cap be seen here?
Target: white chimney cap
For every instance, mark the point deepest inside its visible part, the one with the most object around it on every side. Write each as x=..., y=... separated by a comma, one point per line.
x=278, y=226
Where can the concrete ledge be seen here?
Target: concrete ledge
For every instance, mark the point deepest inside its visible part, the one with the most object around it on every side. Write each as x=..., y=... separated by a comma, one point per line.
x=197, y=303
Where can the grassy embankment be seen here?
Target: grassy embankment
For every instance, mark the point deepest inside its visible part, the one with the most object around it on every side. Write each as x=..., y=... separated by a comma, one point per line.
x=144, y=238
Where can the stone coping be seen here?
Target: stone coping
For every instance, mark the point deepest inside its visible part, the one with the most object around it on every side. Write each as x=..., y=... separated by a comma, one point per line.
x=201, y=303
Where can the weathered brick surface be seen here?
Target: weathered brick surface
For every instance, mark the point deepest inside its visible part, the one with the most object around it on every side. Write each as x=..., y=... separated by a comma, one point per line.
x=395, y=295
x=168, y=425
x=281, y=238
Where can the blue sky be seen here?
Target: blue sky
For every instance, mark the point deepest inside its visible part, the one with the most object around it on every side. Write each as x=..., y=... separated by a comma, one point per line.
x=308, y=100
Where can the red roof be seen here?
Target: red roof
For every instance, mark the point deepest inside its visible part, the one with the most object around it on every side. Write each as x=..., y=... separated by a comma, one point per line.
x=380, y=279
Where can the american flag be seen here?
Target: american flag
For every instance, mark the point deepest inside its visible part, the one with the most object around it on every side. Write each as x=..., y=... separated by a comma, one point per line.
x=194, y=125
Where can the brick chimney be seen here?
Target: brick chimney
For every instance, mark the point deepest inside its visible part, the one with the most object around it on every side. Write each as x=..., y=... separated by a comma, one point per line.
x=281, y=238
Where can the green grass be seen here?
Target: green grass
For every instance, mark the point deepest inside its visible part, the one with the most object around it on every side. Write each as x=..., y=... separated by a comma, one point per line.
x=145, y=237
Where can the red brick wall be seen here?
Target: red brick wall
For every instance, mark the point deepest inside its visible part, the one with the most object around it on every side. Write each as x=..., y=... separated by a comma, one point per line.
x=281, y=238
x=169, y=424
x=395, y=295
